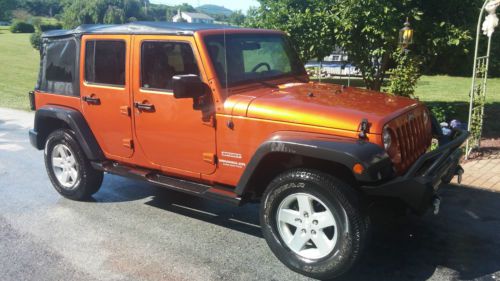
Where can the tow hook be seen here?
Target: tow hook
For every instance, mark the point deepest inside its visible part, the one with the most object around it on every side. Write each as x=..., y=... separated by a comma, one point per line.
x=436, y=203
x=459, y=171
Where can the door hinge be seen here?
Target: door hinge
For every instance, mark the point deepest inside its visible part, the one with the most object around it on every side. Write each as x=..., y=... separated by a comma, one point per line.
x=125, y=110
x=128, y=143
x=210, y=157
x=209, y=120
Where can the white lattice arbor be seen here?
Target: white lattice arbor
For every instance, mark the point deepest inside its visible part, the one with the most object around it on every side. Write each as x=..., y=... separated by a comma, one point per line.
x=480, y=74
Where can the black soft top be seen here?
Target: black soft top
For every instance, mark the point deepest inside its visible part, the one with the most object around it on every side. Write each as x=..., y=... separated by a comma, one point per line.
x=136, y=28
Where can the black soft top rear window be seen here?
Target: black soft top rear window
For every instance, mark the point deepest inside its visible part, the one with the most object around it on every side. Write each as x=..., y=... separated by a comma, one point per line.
x=59, y=67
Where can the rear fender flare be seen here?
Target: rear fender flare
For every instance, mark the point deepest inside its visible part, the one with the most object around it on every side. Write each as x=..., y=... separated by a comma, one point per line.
x=75, y=121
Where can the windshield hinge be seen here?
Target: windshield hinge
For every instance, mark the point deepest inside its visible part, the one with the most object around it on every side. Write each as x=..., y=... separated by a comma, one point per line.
x=364, y=127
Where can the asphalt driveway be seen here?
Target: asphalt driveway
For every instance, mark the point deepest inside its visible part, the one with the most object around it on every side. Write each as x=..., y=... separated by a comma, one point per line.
x=135, y=231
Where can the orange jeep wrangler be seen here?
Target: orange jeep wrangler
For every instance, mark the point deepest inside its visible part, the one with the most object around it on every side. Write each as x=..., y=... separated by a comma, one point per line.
x=230, y=114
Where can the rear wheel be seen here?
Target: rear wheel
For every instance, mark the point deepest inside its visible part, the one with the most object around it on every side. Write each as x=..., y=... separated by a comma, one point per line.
x=312, y=222
x=68, y=168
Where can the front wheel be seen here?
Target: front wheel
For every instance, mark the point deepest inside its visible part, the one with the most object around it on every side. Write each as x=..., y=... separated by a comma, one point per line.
x=313, y=223
x=68, y=168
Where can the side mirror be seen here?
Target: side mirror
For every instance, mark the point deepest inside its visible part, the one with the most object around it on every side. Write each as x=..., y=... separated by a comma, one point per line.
x=187, y=86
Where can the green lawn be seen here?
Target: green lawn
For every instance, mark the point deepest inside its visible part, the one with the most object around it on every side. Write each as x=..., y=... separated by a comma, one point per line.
x=452, y=94
x=18, y=69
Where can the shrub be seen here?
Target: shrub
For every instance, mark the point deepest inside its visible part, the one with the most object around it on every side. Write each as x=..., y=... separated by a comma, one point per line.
x=47, y=27
x=22, y=27
x=443, y=113
x=405, y=75
x=36, y=40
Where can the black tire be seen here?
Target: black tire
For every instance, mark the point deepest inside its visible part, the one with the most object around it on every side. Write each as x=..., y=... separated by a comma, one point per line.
x=340, y=199
x=88, y=179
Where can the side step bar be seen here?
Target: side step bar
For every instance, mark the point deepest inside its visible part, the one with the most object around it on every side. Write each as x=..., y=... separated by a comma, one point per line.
x=218, y=193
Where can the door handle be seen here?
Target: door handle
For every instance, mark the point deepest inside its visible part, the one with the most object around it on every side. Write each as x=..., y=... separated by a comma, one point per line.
x=144, y=106
x=91, y=100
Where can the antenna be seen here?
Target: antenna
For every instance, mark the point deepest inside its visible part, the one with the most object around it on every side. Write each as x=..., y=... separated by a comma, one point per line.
x=230, y=124
x=225, y=62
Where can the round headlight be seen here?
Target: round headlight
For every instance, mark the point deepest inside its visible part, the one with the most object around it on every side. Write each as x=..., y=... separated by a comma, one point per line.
x=386, y=138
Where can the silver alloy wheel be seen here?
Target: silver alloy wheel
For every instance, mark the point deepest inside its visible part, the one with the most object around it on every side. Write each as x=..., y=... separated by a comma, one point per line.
x=307, y=226
x=64, y=166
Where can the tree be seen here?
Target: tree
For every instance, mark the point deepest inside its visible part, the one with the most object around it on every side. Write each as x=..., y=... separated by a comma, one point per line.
x=309, y=23
x=169, y=14
x=114, y=15
x=184, y=7
x=46, y=8
x=76, y=13
x=236, y=18
x=21, y=14
x=134, y=9
x=6, y=7
x=368, y=29
x=79, y=12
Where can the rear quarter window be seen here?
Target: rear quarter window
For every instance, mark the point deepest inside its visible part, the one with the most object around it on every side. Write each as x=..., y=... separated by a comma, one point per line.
x=58, y=73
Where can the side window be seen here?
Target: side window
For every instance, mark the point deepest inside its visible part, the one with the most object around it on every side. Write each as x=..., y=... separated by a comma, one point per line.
x=58, y=73
x=160, y=61
x=105, y=62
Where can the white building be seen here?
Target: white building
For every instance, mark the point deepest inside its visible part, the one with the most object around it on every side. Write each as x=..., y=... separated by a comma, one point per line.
x=192, y=17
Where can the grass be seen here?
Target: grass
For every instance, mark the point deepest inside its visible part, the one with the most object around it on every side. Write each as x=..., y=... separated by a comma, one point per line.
x=19, y=64
x=47, y=20
x=451, y=89
x=452, y=94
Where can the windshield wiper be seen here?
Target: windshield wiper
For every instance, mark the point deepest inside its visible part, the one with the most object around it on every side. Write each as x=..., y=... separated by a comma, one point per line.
x=303, y=80
x=271, y=85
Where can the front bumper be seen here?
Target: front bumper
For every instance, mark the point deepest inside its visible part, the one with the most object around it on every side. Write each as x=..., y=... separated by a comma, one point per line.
x=420, y=183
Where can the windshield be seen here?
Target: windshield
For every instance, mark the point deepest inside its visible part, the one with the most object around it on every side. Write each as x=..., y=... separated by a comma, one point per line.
x=252, y=58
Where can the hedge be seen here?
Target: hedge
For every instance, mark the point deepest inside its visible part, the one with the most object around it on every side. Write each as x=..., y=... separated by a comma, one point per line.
x=22, y=27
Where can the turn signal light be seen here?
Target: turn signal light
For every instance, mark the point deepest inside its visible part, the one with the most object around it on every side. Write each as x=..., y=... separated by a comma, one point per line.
x=358, y=169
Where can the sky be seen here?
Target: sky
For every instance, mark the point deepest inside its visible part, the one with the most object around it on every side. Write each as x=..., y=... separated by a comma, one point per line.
x=230, y=4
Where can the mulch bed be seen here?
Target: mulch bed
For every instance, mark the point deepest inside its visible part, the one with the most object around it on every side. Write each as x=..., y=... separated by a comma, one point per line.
x=490, y=149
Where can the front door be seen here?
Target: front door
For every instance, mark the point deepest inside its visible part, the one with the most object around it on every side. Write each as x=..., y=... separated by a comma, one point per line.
x=173, y=133
x=105, y=92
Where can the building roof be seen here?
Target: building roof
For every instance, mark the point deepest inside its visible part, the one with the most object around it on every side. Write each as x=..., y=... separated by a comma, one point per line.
x=197, y=16
x=136, y=28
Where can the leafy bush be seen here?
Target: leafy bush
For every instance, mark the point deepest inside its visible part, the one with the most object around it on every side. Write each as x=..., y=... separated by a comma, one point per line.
x=443, y=113
x=47, y=27
x=405, y=75
x=21, y=27
x=36, y=40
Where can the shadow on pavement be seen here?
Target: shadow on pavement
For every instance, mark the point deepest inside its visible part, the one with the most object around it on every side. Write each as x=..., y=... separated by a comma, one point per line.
x=243, y=219
x=463, y=238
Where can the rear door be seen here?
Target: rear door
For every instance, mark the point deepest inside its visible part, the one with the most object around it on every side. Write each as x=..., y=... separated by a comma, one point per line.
x=105, y=92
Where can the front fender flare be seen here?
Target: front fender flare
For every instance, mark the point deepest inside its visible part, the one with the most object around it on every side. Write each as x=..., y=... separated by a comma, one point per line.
x=341, y=150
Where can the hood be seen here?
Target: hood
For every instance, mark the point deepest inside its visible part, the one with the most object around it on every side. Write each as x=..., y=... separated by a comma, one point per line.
x=323, y=105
